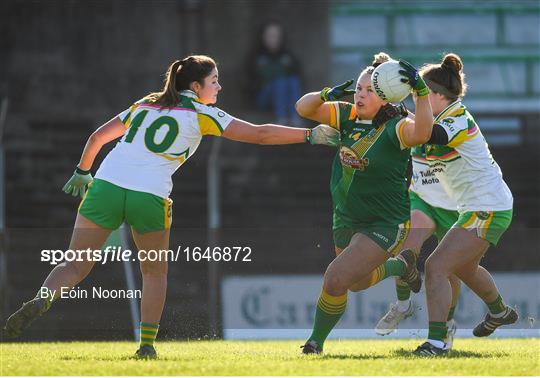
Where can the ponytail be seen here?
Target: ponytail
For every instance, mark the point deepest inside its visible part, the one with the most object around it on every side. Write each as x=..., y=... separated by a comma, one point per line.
x=179, y=76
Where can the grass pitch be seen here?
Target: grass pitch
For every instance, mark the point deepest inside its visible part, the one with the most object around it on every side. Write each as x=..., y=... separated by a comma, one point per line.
x=358, y=357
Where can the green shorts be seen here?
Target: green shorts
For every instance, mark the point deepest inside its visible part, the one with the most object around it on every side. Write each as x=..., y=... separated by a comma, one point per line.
x=388, y=237
x=108, y=205
x=443, y=219
x=489, y=225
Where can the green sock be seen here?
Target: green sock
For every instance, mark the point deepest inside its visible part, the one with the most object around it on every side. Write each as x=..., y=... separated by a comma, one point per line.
x=497, y=306
x=451, y=313
x=329, y=311
x=149, y=333
x=403, y=292
x=437, y=331
x=391, y=267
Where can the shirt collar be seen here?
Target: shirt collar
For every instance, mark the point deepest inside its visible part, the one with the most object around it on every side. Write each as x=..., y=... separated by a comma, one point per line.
x=189, y=93
x=452, y=105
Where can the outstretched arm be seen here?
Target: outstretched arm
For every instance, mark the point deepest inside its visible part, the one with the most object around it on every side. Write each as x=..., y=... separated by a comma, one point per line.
x=242, y=131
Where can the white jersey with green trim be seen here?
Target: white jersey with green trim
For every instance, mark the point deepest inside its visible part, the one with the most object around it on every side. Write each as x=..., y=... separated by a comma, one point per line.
x=158, y=141
x=425, y=183
x=465, y=166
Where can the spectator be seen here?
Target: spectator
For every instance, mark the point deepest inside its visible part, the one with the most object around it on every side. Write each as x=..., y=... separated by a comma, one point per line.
x=274, y=75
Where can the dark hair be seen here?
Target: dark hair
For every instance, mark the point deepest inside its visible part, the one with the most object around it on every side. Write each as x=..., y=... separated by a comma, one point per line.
x=446, y=78
x=179, y=76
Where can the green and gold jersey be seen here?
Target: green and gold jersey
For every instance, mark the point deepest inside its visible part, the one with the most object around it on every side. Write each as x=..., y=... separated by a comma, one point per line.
x=368, y=183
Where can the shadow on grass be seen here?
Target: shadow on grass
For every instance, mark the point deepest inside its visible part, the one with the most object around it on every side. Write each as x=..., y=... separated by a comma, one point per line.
x=407, y=353
x=453, y=354
x=114, y=359
x=353, y=356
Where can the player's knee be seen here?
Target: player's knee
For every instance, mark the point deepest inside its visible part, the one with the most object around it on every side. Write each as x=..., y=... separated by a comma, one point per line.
x=333, y=283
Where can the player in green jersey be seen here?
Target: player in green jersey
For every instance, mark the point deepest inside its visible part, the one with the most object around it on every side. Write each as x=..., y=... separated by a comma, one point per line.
x=369, y=189
x=134, y=181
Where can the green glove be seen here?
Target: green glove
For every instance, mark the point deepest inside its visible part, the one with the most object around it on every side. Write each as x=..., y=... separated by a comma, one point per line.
x=337, y=92
x=413, y=78
x=77, y=183
x=323, y=134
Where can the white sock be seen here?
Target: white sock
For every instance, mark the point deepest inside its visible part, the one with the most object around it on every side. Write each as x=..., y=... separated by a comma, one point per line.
x=403, y=306
x=436, y=343
x=500, y=314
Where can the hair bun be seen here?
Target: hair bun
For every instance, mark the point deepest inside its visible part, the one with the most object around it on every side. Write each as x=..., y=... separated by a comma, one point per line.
x=453, y=63
x=380, y=58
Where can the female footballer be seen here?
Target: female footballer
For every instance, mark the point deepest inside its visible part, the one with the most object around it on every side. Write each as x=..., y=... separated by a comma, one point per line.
x=472, y=178
x=432, y=212
x=158, y=134
x=369, y=189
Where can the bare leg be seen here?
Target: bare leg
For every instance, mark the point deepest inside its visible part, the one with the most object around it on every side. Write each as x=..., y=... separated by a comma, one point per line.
x=455, y=283
x=460, y=250
x=353, y=264
x=86, y=234
x=154, y=274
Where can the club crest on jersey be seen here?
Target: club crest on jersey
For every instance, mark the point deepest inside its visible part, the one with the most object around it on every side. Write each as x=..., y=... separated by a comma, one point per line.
x=350, y=159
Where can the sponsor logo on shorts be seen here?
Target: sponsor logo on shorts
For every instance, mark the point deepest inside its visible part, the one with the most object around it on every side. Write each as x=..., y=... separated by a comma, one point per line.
x=381, y=236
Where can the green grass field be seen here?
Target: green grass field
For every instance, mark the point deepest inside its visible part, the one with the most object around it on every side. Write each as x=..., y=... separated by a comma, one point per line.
x=363, y=357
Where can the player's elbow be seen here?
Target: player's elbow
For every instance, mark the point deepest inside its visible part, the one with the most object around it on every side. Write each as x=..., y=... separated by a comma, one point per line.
x=97, y=138
x=301, y=109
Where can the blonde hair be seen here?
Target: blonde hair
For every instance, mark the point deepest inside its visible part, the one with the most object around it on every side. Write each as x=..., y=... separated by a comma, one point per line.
x=446, y=78
x=378, y=59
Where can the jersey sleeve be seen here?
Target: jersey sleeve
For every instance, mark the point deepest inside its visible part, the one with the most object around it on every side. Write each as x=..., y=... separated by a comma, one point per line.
x=458, y=129
x=340, y=112
x=125, y=116
x=212, y=120
x=395, y=127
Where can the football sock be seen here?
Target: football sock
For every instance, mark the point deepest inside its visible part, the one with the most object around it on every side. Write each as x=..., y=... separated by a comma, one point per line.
x=497, y=308
x=437, y=332
x=403, y=292
x=392, y=267
x=329, y=311
x=149, y=333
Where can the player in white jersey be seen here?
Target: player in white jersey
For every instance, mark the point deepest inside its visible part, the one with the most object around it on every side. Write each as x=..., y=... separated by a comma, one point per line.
x=460, y=157
x=433, y=212
x=158, y=134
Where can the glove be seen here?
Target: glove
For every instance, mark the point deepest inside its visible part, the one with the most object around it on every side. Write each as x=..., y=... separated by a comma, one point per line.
x=337, y=92
x=413, y=78
x=323, y=134
x=77, y=183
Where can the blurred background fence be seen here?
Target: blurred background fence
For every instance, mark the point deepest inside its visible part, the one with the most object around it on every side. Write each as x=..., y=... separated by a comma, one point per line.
x=68, y=66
